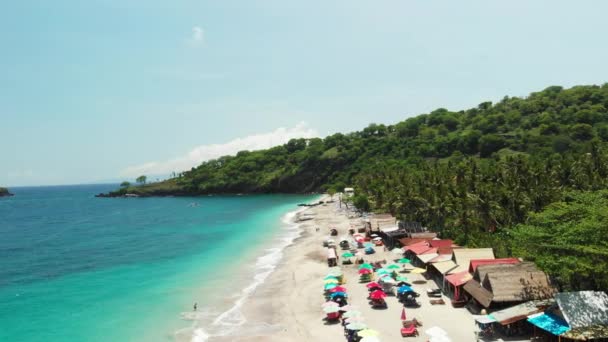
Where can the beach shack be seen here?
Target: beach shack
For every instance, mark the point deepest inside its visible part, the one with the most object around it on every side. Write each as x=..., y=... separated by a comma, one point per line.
x=349, y=192
x=578, y=316
x=332, y=257
x=500, y=286
x=462, y=257
x=512, y=321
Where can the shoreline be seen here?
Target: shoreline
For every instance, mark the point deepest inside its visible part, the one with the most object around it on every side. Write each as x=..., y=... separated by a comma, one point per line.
x=287, y=306
x=231, y=323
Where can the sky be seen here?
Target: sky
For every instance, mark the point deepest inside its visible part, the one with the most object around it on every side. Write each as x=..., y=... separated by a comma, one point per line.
x=106, y=90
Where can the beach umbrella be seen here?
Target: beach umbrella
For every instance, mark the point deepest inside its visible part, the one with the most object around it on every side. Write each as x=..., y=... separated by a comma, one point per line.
x=365, y=271
x=348, y=255
x=377, y=238
x=356, y=326
x=329, y=276
x=402, y=278
x=397, y=251
x=404, y=261
x=330, y=286
x=352, y=313
x=366, y=265
x=403, y=316
x=372, y=284
x=331, y=309
x=354, y=319
x=383, y=271
x=393, y=267
x=368, y=333
x=374, y=235
x=337, y=294
x=368, y=244
x=370, y=339
x=338, y=289
x=378, y=294
x=404, y=289
x=332, y=281
x=388, y=280
x=329, y=303
x=418, y=270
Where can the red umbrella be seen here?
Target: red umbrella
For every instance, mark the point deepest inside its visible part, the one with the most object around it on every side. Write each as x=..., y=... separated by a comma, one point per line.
x=403, y=317
x=378, y=294
x=372, y=284
x=338, y=289
x=365, y=271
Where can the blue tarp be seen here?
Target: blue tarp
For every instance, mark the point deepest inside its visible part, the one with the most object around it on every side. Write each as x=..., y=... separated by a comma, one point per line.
x=550, y=323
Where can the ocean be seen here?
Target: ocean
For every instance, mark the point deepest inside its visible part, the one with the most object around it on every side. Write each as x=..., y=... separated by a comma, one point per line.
x=78, y=268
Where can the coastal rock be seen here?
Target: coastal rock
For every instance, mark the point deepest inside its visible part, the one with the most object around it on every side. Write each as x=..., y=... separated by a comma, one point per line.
x=5, y=193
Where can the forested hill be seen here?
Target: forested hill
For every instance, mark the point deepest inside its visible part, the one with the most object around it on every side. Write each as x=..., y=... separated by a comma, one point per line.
x=552, y=121
x=526, y=176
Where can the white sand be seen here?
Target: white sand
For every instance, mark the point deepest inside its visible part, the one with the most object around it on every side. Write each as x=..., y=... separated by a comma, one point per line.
x=288, y=306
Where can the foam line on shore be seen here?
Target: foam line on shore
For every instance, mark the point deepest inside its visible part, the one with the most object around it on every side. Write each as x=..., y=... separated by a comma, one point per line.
x=230, y=320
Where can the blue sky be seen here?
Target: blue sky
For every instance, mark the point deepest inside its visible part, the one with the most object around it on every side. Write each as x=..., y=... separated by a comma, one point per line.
x=102, y=89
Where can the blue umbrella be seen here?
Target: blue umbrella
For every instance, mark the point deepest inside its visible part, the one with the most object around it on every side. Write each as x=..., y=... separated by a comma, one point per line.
x=404, y=289
x=337, y=294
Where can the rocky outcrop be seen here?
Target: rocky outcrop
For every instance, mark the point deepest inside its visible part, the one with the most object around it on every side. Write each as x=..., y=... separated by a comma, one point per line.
x=5, y=193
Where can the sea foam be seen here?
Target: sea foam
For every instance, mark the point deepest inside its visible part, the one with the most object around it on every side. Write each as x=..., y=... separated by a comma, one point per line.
x=229, y=321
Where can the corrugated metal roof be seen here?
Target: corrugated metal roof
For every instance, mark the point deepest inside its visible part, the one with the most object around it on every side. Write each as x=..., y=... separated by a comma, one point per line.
x=584, y=308
x=389, y=229
x=444, y=266
x=460, y=269
x=519, y=312
x=421, y=249
x=426, y=257
x=458, y=279
x=441, y=258
x=478, y=262
x=463, y=256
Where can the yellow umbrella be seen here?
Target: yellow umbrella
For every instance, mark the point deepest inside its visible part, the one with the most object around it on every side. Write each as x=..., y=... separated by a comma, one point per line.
x=332, y=281
x=418, y=270
x=367, y=333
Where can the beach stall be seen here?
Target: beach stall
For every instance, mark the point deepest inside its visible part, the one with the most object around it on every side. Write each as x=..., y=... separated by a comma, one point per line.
x=332, y=257
x=586, y=313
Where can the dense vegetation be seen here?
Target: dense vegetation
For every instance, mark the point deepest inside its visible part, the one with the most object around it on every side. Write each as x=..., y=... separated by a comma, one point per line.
x=473, y=175
x=568, y=239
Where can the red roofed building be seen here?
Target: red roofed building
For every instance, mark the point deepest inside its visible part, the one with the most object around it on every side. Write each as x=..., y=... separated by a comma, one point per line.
x=441, y=243
x=504, y=261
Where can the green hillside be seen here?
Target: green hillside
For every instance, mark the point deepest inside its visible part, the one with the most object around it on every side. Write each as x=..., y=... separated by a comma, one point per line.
x=497, y=175
x=555, y=121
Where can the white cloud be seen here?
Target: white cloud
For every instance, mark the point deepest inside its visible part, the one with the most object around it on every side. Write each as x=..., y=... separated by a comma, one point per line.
x=198, y=36
x=206, y=152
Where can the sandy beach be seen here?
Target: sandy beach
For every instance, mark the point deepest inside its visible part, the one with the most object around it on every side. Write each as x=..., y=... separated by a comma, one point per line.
x=287, y=307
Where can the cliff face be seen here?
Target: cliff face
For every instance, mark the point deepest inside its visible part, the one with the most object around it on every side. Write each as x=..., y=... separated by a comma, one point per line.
x=4, y=192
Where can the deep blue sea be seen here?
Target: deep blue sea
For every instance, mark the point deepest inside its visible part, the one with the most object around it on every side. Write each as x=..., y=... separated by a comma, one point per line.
x=78, y=268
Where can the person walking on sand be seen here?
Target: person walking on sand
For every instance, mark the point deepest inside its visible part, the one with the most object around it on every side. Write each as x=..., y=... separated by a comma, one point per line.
x=195, y=306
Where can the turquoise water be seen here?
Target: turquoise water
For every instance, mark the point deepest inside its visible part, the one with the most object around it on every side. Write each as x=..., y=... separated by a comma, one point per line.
x=78, y=268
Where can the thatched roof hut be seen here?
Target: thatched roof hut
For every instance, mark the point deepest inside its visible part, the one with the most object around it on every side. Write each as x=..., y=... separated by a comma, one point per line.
x=518, y=286
x=483, y=270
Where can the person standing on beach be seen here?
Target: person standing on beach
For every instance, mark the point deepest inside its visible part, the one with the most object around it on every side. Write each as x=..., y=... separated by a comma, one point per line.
x=195, y=306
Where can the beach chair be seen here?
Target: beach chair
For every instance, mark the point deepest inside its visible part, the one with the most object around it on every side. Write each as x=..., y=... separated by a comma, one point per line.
x=409, y=331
